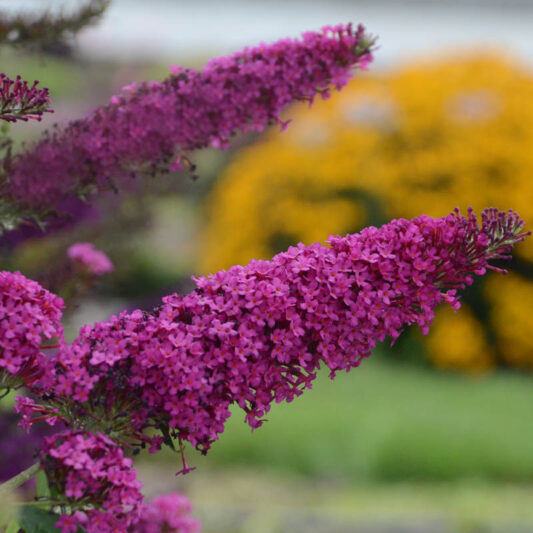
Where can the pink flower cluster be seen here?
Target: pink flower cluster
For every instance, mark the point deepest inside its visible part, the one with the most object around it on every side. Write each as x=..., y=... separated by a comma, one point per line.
x=93, y=261
x=168, y=513
x=96, y=481
x=19, y=101
x=28, y=315
x=258, y=333
x=147, y=125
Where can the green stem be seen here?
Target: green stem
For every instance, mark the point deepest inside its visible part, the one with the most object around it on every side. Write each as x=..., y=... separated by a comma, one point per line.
x=45, y=503
x=5, y=393
x=19, y=479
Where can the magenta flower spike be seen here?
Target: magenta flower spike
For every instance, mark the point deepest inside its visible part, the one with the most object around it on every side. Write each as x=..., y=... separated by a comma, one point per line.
x=19, y=101
x=29, y=317
x=150, y=126
x=257, y=334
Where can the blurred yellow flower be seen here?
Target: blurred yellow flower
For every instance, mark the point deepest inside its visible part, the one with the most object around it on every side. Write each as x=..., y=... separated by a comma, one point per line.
x=511, y=301
x=457, y=341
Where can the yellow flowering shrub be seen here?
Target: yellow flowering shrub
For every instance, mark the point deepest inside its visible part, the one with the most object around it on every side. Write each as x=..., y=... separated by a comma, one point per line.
x=426, y=138
x=511, y=301
x=457, y=341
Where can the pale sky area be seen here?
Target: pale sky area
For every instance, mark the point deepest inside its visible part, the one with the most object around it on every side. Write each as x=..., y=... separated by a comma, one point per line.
x=169, y=30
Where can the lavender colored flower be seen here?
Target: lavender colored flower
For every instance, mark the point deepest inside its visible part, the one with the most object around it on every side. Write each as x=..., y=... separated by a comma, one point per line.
x=167, y=513
x=257, y=334
x=28, y=315
x=89, y=259
x=19, y=101
x=149, y=126
x=94, y=480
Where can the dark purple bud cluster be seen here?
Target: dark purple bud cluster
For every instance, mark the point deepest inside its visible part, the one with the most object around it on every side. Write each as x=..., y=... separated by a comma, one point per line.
x=19, y=101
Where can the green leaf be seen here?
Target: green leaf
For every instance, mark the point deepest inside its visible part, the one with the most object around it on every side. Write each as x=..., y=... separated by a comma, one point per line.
x=13, y=526
x=35, y=520
x=54, y=492
x=43, y=490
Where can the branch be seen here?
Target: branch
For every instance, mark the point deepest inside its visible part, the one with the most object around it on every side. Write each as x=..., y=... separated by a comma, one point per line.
x=48, y=29
x=19, y=479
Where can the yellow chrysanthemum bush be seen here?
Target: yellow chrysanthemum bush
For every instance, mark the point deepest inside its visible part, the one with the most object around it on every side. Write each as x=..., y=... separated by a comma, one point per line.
x=422, y=139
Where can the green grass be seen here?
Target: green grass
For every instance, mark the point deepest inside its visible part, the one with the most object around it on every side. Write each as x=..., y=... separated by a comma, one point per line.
x=244, y=501
x=392, y=422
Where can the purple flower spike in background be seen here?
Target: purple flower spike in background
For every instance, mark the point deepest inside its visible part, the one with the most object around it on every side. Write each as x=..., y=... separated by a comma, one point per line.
x=149, y=126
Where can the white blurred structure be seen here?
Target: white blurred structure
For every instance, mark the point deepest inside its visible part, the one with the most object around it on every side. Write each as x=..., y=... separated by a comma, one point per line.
x=173, y=30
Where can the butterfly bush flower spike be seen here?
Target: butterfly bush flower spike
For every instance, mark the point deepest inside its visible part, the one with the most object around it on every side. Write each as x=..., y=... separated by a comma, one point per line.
x=148, y=127
x=257, y=334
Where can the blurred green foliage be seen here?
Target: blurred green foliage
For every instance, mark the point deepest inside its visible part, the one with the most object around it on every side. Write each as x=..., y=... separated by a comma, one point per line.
x=63, y=78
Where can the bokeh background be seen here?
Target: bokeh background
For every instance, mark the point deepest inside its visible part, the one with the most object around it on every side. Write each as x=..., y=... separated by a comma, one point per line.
x=432, y=435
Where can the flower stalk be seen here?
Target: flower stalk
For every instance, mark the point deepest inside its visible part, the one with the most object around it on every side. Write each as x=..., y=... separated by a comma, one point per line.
x=16, y=481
